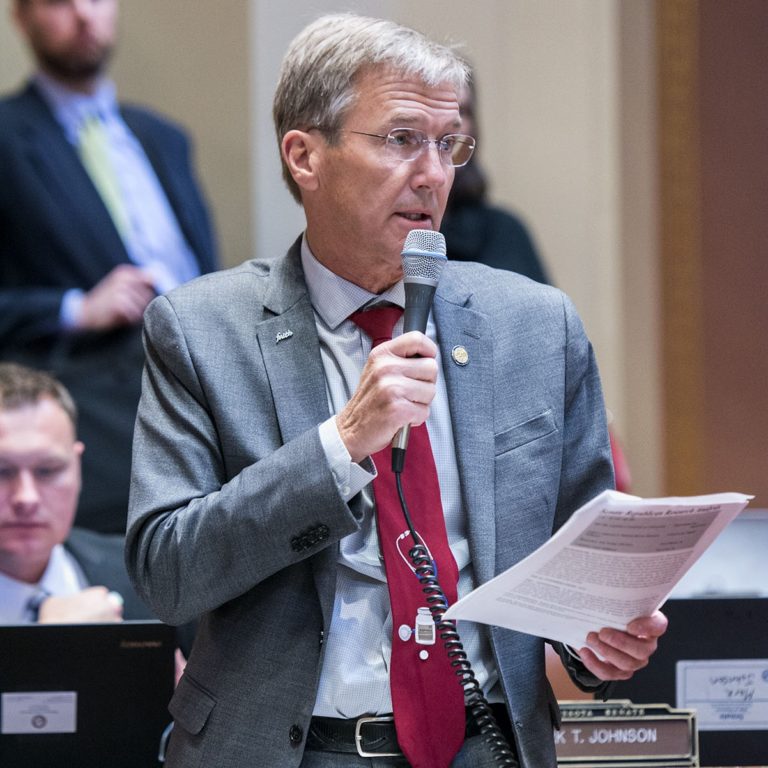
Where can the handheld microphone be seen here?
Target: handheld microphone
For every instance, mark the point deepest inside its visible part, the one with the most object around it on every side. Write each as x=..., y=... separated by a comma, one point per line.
x=423, y=260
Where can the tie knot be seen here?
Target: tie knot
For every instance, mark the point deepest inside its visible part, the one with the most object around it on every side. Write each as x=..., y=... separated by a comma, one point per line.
x=90, y=123
x=34, y=603
x=377, y=322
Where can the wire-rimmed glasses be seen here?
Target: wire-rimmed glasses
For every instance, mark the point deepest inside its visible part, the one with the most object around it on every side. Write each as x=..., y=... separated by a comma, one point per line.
x=407, y=144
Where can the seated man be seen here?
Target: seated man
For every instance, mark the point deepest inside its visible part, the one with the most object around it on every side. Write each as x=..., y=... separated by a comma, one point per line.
x=50, y=572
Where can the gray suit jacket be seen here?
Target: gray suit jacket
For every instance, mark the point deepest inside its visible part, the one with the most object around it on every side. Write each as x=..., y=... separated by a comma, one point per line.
x=235, y=515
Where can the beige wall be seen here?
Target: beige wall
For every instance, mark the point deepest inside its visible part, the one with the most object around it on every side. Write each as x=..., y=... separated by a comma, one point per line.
x=567, y=112
x=190, y=61
x=13, y=59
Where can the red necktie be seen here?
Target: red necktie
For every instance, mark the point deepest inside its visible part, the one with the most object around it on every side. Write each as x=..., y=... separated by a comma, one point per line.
x=427, y=697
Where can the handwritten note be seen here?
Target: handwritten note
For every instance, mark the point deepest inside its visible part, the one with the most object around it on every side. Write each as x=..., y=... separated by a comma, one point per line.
x=729, y=695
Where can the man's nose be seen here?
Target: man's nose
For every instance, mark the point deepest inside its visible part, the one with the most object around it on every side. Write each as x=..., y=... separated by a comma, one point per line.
x=24, y=493
x=433, y=166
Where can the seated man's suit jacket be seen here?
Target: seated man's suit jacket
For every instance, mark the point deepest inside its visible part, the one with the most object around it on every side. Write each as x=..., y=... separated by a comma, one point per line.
x=100, y=556
x=56, y=234
x=235, y=513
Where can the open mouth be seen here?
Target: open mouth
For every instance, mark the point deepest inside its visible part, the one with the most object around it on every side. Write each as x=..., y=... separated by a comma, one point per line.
x=417, y=218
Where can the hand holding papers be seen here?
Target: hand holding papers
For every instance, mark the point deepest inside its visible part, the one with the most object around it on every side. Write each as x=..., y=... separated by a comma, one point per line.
x=616, y=559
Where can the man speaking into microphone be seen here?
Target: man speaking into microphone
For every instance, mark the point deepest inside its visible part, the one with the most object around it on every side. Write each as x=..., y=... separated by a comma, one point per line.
x=263, y=494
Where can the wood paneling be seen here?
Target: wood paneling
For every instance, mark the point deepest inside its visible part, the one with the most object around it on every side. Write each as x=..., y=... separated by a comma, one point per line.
x=683, y=372
x=714, y=195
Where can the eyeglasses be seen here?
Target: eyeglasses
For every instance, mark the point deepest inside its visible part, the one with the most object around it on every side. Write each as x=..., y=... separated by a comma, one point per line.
x=407, y=144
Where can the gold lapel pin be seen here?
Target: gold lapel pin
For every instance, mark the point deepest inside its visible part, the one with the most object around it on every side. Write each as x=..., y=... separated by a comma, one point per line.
x=460, y=355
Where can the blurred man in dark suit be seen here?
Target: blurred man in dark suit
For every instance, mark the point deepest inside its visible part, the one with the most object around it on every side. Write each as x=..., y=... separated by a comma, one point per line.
x=100, y=212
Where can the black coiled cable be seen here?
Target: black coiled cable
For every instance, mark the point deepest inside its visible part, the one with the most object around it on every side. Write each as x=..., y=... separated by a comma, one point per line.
x=438, y=605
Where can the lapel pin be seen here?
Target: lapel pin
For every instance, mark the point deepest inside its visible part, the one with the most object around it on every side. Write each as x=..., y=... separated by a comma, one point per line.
x=282, y=336
x=460, y=355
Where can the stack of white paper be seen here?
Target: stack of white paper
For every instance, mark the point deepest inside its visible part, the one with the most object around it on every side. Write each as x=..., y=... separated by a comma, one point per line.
x=617, y=558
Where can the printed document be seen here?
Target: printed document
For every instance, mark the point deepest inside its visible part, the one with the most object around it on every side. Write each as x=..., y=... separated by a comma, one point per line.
x=617, y=558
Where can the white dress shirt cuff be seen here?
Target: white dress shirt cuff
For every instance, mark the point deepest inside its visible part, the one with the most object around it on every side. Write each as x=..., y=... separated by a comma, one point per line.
x=350, y=477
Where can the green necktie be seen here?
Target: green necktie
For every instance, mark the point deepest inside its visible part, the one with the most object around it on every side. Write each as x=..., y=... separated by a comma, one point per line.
x=93, y=148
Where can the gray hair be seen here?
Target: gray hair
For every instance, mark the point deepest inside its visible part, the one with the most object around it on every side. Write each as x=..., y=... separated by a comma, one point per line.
x=21, y=386
x=317, y=80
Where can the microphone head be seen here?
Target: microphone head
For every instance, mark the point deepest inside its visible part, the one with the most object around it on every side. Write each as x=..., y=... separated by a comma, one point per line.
x=423, y=256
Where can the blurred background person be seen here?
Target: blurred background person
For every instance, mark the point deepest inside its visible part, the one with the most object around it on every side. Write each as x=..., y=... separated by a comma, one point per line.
x=50, y=571
x=474, y=229
x=100, y=212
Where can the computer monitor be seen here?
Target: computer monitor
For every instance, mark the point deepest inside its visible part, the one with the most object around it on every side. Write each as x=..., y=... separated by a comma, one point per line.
x=85, y=695
x=734, y=564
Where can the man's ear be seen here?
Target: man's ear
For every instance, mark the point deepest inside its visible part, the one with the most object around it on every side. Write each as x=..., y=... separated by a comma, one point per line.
x=301, y=151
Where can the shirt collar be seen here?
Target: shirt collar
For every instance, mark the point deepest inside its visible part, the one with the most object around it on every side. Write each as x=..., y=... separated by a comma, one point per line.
x=61, y=577
x=70, y=108
x=334, y=298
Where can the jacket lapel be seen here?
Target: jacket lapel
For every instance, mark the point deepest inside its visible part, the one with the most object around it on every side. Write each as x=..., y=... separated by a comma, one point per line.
x=464, y=333
x=290, y=349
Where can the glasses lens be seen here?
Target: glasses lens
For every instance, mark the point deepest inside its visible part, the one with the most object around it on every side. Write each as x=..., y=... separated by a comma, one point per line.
x=408, y=143
x=461, y=148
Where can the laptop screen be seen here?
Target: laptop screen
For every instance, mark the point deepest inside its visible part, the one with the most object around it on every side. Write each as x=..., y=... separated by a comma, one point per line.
x=84, y=694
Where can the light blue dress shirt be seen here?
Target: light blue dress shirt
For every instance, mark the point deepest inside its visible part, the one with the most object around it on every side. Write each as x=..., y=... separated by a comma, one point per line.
x=62, y=576
x=355, y=675
x=153, y=239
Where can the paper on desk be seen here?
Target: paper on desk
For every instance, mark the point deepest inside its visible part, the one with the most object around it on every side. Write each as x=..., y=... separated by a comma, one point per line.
x=617, y=558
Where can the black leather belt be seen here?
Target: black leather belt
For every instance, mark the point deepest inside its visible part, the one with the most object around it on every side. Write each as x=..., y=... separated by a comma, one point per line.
x=375, y=736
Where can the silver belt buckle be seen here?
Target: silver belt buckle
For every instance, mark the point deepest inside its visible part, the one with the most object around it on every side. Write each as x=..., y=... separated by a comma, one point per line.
x=361, y=721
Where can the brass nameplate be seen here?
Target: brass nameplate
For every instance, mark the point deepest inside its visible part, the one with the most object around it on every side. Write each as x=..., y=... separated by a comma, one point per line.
x=620, y=734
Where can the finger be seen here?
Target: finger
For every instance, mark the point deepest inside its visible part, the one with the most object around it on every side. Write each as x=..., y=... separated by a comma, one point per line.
x=385, y=364
x=623, y=651
x=420, y=393
x=649, y=626
x=132, y=304
x=601, y=668
x=411, y=344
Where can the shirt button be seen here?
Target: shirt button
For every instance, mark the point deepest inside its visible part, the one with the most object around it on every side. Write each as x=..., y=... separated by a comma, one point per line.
x=345, y=489
x=296, y=734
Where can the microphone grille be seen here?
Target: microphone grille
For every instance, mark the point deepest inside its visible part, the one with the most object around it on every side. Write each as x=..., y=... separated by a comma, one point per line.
x=423, y=255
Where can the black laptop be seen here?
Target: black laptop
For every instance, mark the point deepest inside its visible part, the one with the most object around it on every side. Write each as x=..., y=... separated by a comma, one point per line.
x=713, y=658
x=85, y=695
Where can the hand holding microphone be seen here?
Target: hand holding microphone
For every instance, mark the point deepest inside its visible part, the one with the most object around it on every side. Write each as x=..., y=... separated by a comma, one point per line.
x=423, y=261
x=397, y=384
